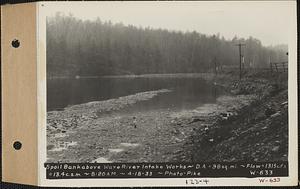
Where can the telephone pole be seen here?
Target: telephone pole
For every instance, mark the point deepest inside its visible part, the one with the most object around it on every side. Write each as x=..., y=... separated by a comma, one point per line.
x=240, y=51
x=215, y=64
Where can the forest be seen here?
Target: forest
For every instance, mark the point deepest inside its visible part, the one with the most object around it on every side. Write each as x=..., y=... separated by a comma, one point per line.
x=78, y=47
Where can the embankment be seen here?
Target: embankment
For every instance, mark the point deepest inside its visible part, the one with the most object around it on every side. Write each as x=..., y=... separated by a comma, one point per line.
x=257, y=131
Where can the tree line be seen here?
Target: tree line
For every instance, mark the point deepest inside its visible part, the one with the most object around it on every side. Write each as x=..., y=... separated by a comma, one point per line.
x=96, y=48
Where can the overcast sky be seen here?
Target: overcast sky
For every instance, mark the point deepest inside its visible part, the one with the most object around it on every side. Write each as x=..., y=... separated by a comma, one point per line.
x=268, y=21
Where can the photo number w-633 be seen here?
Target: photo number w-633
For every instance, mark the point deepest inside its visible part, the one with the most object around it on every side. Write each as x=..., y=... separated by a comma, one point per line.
x=270, y=180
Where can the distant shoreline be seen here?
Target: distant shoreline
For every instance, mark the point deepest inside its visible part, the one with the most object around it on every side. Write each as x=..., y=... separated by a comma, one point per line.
x=167, y=75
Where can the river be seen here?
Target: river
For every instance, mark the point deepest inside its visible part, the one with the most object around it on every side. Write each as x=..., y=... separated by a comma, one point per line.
x=187, y=92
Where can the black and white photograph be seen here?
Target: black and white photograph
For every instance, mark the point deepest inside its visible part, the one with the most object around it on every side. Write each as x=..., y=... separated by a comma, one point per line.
x=158, y=82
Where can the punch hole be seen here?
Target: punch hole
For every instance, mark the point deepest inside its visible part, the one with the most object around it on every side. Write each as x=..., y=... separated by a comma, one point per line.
x=17, y=145
x=15, y=43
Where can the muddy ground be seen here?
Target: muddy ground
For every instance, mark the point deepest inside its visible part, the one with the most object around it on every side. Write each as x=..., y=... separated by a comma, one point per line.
x=249, y=125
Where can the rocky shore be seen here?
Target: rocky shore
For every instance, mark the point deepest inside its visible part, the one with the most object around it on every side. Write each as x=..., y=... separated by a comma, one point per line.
x=249, y=125
x=257, y=131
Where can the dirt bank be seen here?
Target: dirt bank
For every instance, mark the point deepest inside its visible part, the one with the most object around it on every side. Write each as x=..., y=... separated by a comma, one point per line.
x=257, y=132
x=249, y=125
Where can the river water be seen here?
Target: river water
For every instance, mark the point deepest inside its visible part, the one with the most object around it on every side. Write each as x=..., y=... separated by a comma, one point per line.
x=187, y=93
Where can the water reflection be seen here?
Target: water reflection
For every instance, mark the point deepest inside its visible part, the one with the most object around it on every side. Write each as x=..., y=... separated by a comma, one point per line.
x=186, y=92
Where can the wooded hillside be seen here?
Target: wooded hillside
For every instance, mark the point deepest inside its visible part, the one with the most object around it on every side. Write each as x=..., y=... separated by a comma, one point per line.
x=89, y=48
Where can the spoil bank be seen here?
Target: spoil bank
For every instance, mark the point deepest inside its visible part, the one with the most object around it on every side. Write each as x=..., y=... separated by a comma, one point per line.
x=249, y=125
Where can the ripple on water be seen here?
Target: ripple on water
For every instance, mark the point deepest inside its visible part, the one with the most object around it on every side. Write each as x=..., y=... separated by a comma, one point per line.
x=115, y=150
x=60, y=135
x=129, y=144
x=63, y=146
x=101, y=160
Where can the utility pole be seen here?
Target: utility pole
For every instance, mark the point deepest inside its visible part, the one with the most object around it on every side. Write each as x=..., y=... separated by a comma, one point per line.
x=215, y=64
x=240, y=51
